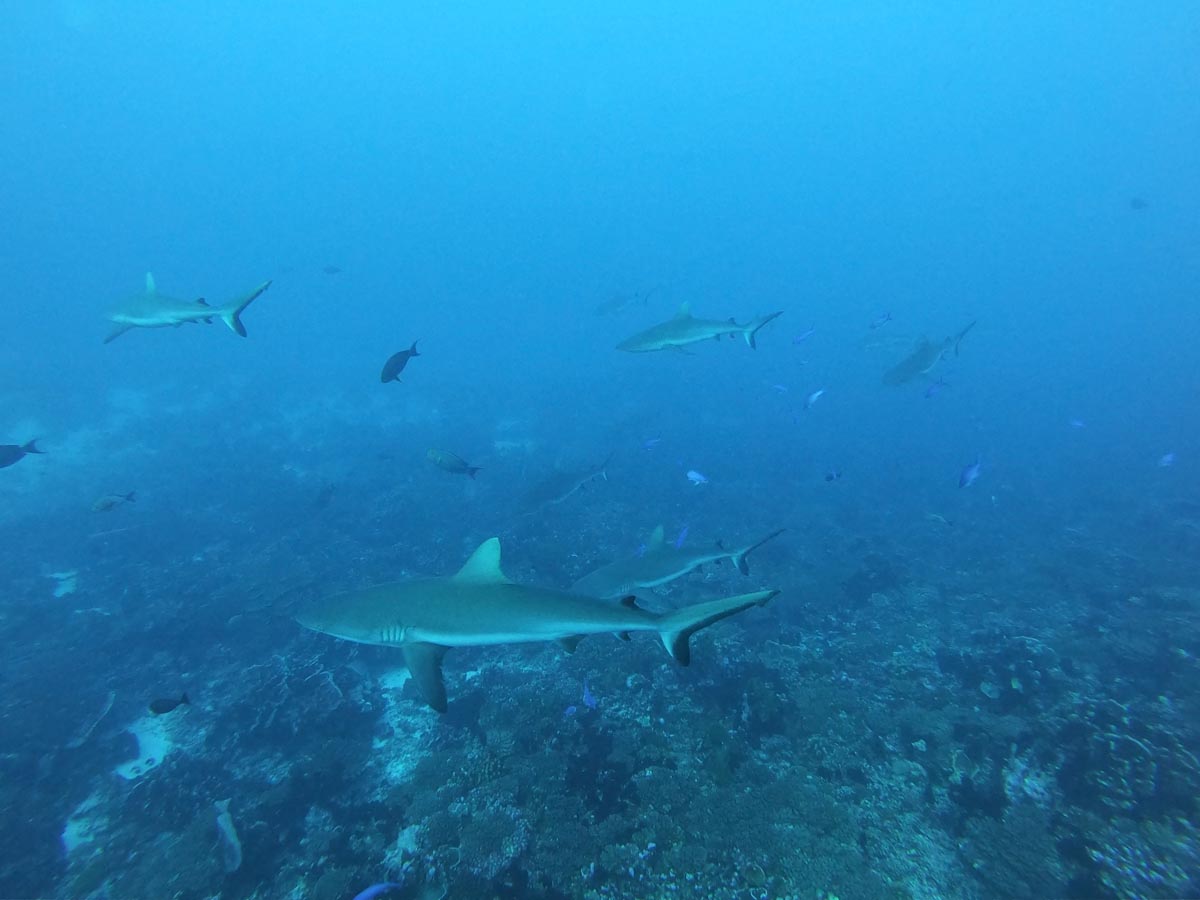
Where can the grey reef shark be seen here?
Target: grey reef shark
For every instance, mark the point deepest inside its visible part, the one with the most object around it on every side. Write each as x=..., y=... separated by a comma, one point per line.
x=150, y=309
x=479, y=606
x=924, y=358
x=684, y=329
x=660, y=562
x=561, y=484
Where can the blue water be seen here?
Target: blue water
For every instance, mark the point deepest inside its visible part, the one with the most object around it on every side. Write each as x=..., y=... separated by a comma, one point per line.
x=969, y=692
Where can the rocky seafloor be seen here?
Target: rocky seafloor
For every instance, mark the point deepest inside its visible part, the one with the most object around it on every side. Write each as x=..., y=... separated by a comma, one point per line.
x=985, y=733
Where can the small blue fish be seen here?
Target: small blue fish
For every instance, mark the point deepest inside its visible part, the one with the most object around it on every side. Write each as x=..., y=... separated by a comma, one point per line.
x=1167, y=459
x=651, y=443
x=697, y=478
x=813, y=398
x=970, y=474
x=780, y=388
x=880, y=321
x=678, y=542
x=570, y=711
x=936, y=388
x=589, y=699
x=1078, y=423
x=376, y=890
x=833, y=474
x=804, y=336
x=641, y=550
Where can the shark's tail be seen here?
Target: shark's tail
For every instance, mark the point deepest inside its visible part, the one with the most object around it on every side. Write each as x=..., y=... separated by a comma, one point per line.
x=962, y=334
x=676, y=628
x=754, y=325
x=412, y=351
x=739, y=558
x=31, y=447
x=231, y=313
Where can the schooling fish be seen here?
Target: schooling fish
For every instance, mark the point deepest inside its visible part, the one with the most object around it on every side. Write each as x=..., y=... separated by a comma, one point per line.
x=164, y=705
x=813, y=398
x=970, y=474
x=112, y=501
x=804, y=335
x=377, y=890
x=12, y=453
x=678, y=542
x=696, y=478
x=880, y=321
x=589, y=699
x=936, y=388
x=396, y=363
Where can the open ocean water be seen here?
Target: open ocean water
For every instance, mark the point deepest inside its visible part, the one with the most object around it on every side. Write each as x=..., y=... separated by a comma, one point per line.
x=975, y=420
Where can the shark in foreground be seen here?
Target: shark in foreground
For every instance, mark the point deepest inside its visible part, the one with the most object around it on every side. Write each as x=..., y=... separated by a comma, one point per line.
x=923, y=358
x=150, y=309
x=684, y=329
x=479, y=606
x=662, y=562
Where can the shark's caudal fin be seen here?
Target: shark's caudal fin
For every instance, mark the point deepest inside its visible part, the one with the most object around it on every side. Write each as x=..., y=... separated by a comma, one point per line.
x=678, y=627
x=962, y=334
x=755, y=324
x=412, y=351
x=739, y=557
x=231, y=313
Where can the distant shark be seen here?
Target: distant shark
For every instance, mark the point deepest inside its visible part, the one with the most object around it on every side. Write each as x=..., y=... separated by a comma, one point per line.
x=479, y=606
x=923, y=358
x=662, y=562
x=150, y=309
x=560, y=485
x=684, y=329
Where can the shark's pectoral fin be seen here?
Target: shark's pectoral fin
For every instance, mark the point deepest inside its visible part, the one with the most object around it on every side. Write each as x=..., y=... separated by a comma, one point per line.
x=424, y=663
x=116, y=333
x=571, y=641
x=656, y=538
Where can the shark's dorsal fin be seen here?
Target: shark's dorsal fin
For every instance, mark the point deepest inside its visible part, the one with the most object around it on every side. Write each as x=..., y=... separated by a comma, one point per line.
x=150, y=288
x=483, y=567
x=655, y=539
x=685, y=310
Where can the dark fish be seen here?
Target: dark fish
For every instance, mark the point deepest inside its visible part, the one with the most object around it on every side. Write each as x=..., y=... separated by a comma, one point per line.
x=11, y=453
x=164, y=705
x=331, y=270
x=880, y=321
x=396, y=363
x=1137, y=204
x=452, y=462
x=112, y=501
x=833, y=474
x=324, y=497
